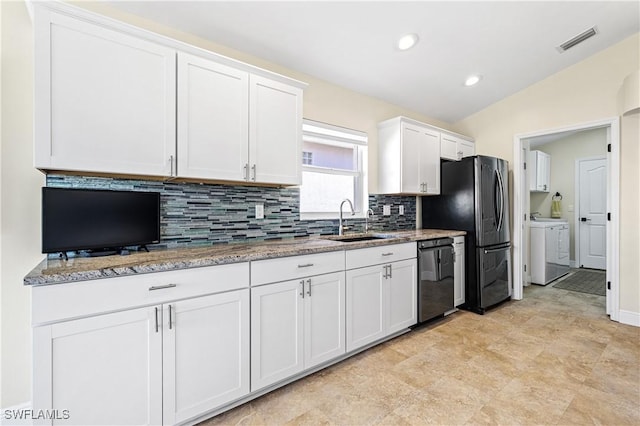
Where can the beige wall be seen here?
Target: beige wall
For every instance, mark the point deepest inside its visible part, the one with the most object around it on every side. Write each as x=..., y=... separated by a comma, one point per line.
x=582, y=93
x=564, y=152
x=20, y=202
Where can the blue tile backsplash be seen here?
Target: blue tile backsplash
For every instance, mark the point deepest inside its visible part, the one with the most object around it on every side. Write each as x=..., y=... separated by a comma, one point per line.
x=194, y=214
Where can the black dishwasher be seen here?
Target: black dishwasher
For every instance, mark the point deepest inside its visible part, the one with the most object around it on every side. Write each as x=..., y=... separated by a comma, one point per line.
x=435, y=283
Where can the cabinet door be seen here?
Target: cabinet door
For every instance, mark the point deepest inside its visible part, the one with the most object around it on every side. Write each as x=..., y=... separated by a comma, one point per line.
x=402, y=298
x=324, y=318
x=449, y=148
x=430, y=161
x=412, y=140
x=213, y=120
x=459, y=271
x=104, y=101
x=105, y=369
x=275, y=132
x=544, y=171
x=466, y=149
x=365, y=310
x=276, y=332
x=205, y=354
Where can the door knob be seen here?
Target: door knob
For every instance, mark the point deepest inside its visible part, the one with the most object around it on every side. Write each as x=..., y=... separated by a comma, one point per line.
x=584, y=219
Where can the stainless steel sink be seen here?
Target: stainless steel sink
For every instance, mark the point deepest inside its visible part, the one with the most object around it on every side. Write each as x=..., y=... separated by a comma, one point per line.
x=356, y=238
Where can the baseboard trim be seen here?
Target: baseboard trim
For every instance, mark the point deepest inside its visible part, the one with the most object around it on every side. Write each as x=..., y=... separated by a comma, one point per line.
x=629, y=318
x=7, y=418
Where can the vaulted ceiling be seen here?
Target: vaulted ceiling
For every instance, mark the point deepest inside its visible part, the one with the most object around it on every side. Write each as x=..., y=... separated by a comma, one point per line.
x=353, y=44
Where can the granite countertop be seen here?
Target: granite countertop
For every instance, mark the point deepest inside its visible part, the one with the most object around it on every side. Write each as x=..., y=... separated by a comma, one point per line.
x=58, y=271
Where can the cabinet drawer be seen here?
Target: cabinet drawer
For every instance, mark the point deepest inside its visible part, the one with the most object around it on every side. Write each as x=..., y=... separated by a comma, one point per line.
x=73, y=300
x=382, y=254
x=290, y=268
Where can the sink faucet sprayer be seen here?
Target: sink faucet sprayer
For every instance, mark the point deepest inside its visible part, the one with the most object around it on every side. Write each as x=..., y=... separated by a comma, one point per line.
x=341, y=228
x=366, y=220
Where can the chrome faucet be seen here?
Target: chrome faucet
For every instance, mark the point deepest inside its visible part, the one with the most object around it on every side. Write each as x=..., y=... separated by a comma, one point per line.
x=341, y=228
x=534, y=215
x=366, y=220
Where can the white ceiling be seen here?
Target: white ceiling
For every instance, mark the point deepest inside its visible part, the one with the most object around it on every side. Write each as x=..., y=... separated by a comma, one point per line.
x=352, y=44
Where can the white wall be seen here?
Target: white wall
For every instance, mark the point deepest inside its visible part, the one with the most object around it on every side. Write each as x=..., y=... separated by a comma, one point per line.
x=584, y=92
x=564, y=152
x=20, y=202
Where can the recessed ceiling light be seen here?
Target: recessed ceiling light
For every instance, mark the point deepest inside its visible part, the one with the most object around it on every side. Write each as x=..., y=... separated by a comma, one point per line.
x=472, y=80
x=407, y=41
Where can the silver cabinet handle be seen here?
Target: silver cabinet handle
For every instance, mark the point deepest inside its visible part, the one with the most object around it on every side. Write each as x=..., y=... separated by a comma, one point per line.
x=156, y=315
x=309, y=287
x=170, y=318
x=388, y=254
x=386, y=272
x=245, y=171
x=302, y=288
x=253, y=172
x=305, y=265
x=390, y=271
x=162, y=287
x=171, y=165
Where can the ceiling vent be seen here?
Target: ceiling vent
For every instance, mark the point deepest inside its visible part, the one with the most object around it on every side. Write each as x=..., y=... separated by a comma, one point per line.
x=577, y=39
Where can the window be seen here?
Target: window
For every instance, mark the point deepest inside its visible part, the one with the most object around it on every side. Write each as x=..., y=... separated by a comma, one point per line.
x=334, y=164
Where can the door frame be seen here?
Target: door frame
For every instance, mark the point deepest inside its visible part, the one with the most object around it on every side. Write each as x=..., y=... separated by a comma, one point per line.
x=520, y=207
x=576, y=210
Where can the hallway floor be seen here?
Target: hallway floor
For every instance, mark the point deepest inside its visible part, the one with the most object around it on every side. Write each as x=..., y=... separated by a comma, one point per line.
x=552, y=358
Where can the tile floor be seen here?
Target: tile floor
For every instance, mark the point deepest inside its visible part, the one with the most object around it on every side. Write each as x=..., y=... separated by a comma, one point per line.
x=551, y=358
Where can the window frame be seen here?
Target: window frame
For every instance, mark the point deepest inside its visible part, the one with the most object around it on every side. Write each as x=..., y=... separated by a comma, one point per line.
x=323, y=133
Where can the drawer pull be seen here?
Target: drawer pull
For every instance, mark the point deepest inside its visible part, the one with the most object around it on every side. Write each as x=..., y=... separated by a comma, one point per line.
x=388, y=254
x=161, y=287
x=305, y=265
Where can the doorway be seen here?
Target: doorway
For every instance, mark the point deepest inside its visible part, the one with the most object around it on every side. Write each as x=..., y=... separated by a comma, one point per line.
x=522, y=208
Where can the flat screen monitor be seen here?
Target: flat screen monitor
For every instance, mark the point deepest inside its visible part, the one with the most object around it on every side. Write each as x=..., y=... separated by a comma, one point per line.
x=89, y=219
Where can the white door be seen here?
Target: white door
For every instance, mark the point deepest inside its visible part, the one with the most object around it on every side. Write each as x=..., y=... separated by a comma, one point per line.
x=412, y=141
x=105, y=101
x=275, y=132
x=430, y=161
x=402, y=299
x=324, y=316
x=277, y=349
x=365, y=306
x=205, y=354
x=213, y=120
x=592, y=215
x=105, y=369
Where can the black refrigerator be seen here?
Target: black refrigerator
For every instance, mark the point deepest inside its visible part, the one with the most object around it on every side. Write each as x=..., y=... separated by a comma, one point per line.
x=474, y=197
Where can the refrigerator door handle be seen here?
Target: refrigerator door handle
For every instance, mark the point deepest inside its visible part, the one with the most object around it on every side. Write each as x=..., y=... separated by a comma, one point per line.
x=501, y=185
x=497, y=250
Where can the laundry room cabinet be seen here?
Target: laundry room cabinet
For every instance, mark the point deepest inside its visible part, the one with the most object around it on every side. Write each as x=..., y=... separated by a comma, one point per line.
x=539, y=171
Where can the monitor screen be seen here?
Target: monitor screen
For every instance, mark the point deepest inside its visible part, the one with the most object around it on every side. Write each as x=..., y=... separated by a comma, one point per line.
x=85, y=219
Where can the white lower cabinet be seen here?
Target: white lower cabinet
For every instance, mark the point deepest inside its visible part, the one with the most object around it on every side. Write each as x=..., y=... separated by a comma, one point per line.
x=105, y=369
x=165, y=363
x=205, y=354
x=295, y=325
x=459, y=271
x=382, y=298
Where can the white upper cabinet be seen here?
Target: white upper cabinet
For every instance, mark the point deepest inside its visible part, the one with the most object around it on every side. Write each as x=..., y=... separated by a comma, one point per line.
x=113, y=99
x=408, y=158
x=539, y=171
x=104, y=100
x=275, y=132
x=213, y=120
x=455, y=148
